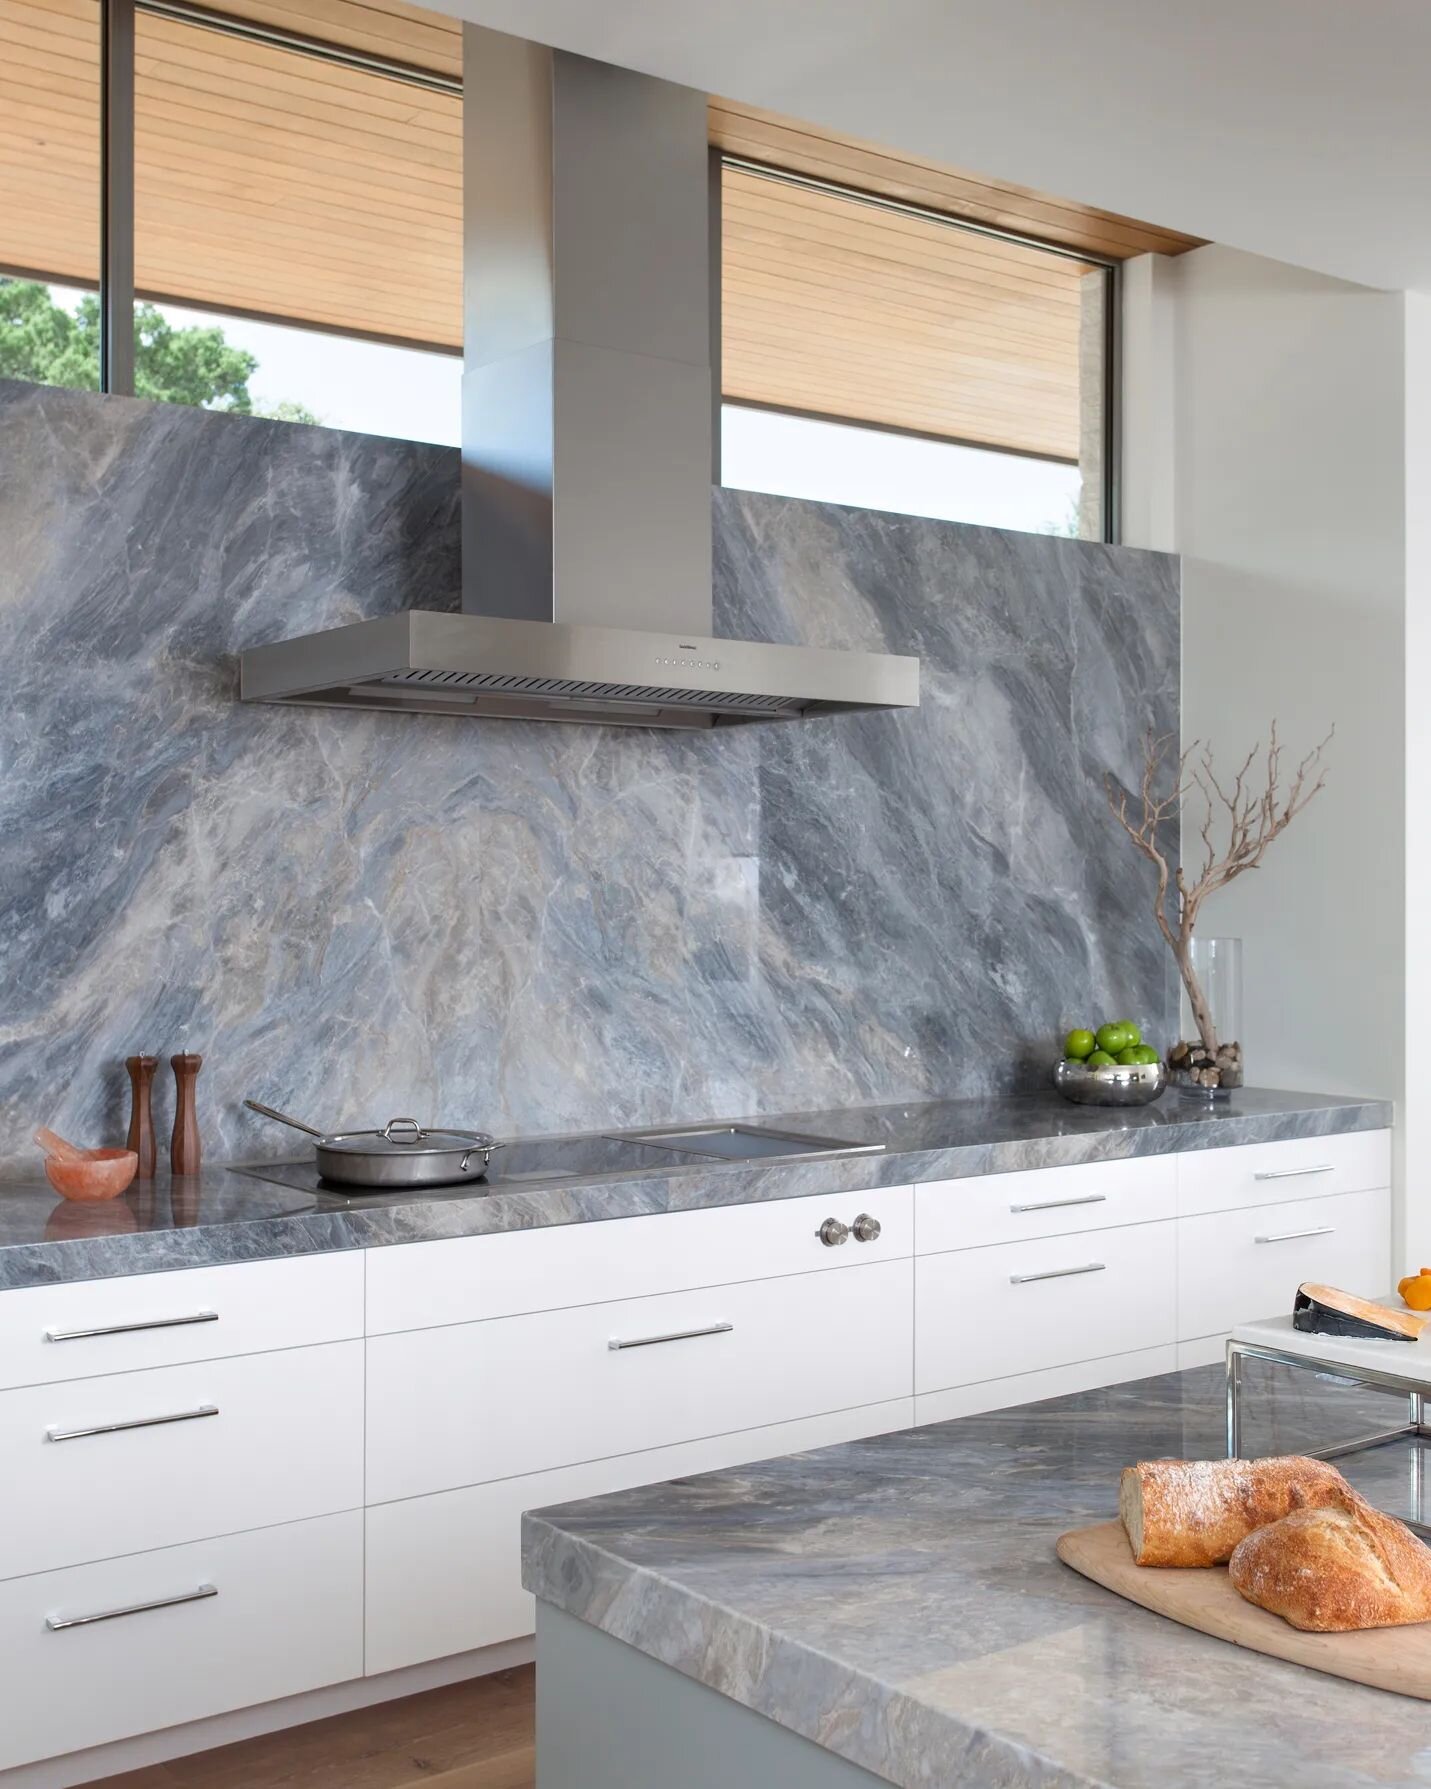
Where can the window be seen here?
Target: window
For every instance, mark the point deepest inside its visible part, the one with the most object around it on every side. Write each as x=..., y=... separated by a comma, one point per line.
x=49, y=191
x=877, y=354
x=295, y=223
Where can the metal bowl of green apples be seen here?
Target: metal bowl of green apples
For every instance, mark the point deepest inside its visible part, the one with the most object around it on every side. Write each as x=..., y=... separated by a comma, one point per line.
x=1111, y=1066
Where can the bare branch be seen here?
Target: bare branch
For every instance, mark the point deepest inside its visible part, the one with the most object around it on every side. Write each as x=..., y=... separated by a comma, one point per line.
x=1249, y=817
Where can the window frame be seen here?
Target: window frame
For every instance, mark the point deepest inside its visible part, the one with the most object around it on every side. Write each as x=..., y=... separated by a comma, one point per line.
x=117, y=294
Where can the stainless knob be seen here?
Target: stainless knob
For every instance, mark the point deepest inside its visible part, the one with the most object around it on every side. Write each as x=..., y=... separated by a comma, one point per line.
x=832, y=1232
x=865, y=1228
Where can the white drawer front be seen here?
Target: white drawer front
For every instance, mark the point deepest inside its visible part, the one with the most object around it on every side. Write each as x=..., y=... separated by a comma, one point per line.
x=417, y=1285
x=966, y=1214
x=158, y=1319
x=444, y=1573
x=1238, y=1266
x=1264, y=1173
x=473, y=1402
x=286, y=1443
x=1022, y=1306
x=287, y=1616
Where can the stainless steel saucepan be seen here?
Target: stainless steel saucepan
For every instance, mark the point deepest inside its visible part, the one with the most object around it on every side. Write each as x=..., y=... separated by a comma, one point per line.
x=402, y=1155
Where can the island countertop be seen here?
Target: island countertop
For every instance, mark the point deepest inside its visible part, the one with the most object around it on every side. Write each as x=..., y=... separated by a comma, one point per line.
x=898, y=1601
x=268, y=1210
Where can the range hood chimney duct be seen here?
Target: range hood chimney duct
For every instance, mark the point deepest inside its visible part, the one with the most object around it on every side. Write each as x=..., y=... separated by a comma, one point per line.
x=586, y=392
x=590, y=413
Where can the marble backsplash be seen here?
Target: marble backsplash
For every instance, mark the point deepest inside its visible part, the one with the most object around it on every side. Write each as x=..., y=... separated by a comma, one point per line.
x=536, y=927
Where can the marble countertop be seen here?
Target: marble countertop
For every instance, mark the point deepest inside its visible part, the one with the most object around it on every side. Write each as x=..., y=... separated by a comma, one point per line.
x=267, y=1210
x=899, y=1602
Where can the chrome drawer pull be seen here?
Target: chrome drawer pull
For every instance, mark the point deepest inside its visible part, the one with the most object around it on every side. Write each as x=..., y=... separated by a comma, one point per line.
x=1056, y=1273
x=134, y=1422
x=1293, y=1235
x=1294, y=1173
x=676, y=1335
x=55, y=1623
x=1058, y=1204
x=124, y=1329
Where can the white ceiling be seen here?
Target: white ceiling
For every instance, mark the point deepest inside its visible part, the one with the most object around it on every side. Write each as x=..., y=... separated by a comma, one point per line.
x=1299, y=129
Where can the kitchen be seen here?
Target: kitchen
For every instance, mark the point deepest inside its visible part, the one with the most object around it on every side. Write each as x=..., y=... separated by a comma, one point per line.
x=762, y=1016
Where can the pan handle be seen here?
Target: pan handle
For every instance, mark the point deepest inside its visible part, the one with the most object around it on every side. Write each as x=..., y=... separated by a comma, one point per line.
x=282, y=1118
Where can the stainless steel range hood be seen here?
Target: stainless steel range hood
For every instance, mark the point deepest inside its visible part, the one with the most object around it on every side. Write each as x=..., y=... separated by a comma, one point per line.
x=590, y=418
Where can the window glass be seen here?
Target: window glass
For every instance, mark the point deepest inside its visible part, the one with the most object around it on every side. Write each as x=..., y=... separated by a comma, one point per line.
x=189, y=356
x=298, y=235
x=849, y=313
x=49, y=191
x=830, y=462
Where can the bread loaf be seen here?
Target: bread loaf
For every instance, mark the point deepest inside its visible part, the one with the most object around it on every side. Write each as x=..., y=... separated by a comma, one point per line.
x=1333, y=1570
x=1194, y=1512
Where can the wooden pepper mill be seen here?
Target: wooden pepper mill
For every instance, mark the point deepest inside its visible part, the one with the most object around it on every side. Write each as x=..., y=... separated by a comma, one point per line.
x=141, y=1138
x=184, y=1144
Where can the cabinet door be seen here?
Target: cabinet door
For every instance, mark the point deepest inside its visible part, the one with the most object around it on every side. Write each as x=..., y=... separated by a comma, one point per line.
x=189, y=1631
x=468, y=1279
x=1238, y=1266
x=1020, y=1306
x=1296, y=1168
x=1032, y=1202
x=98, y=1467
x=478, y=1401
x=85, y=1327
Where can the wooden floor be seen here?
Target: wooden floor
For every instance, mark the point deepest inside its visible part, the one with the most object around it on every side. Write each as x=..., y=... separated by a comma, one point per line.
x=475, y=1735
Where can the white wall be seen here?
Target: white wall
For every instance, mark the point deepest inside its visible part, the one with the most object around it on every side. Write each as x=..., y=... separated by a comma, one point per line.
x=1265, y=442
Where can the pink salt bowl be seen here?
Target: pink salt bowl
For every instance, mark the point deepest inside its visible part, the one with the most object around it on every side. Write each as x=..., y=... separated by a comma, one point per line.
x=86, y=1175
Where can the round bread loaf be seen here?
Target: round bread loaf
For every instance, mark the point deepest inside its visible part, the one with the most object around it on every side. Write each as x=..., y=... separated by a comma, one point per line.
x=1333, y=1570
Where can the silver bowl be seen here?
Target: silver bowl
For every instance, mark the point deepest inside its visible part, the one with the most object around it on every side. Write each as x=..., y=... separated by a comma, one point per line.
x=1139, y=1085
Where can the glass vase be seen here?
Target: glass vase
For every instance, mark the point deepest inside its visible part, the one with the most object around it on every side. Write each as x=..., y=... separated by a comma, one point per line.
x=1199, y=1072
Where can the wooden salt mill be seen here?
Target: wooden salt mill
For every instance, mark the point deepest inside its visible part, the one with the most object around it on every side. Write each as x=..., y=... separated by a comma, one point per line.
x=184, y=1144
x=141, y=1138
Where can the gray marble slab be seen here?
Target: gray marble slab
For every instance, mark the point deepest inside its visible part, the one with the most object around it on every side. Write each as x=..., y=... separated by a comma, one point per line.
x=899, y=1602
x=228, y=1214
x=526, y=928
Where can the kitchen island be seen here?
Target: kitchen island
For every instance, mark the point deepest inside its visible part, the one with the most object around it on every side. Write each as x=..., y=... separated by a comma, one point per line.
x=892, y=1611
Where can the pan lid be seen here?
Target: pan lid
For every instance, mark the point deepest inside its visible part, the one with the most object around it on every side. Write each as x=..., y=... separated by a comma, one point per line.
x=405, y=1137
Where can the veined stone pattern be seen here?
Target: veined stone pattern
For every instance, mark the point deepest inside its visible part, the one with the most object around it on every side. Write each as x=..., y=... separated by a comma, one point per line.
x=526, y=927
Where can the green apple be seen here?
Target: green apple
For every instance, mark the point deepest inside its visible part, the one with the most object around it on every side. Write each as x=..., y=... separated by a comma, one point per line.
x=1079, y=1044
x=1099, y=1059
x=1114, y=1037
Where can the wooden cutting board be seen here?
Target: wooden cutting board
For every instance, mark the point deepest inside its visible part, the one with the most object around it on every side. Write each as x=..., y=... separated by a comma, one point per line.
x=1396, y=1658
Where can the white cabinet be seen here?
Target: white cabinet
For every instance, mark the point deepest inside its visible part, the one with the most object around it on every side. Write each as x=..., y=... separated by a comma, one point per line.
x=967, y=1214
x=183, y=1632
x=1298, y=1168
x=1016, y=1307
x=473, y=1278
x=85, y=1327
x=98, y=1467
x=1036, y=1283
x=478, y=1401
x=1235, y=1266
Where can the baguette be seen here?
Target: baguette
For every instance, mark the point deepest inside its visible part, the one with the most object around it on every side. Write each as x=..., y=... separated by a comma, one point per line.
x=1194, y=1512
x=1334, y=1570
